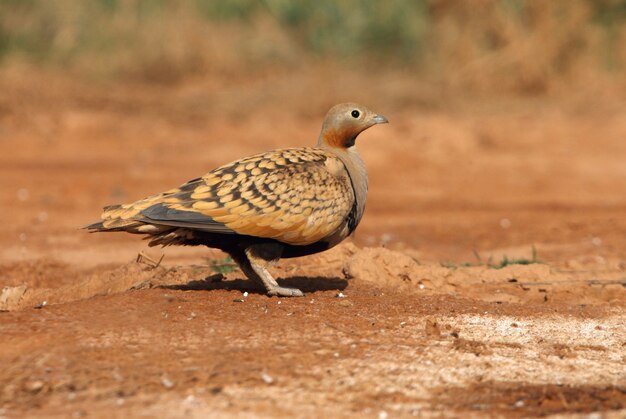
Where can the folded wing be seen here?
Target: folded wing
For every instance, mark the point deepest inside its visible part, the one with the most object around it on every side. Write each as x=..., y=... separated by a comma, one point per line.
x=296, y=196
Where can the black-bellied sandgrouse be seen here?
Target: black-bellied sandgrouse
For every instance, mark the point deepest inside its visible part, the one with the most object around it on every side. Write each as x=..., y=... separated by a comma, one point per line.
x=280, y=204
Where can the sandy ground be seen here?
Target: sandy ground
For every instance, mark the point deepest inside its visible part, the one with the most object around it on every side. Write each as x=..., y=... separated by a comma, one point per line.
x=410, y=317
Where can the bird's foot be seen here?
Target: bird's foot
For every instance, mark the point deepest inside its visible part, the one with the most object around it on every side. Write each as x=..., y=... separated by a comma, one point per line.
x=285, y=292
x=254, y=261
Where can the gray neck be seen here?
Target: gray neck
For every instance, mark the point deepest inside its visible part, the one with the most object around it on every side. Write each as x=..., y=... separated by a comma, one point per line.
x=358, y=175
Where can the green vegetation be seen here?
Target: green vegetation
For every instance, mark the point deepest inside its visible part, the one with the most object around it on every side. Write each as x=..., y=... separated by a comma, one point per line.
x=223, y=266
x=514, y=44
x=505, y=261
x=453, y=266
x=515, y=261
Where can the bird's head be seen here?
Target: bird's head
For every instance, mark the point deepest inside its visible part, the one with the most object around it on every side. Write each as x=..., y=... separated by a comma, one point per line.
x=344, y=122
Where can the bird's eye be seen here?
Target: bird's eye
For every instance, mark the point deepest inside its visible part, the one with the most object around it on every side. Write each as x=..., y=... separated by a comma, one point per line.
x=355, y=114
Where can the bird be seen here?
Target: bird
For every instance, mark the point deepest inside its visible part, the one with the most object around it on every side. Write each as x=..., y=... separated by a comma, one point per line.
x=284, y=203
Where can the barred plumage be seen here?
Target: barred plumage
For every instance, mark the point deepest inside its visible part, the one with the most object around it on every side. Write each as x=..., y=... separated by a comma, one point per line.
x=282, y=203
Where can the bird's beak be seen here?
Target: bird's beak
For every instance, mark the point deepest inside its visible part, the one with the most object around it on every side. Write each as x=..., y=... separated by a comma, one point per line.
x=379, y=119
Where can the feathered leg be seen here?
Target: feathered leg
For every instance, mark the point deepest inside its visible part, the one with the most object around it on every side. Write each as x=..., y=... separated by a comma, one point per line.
x=254, y=262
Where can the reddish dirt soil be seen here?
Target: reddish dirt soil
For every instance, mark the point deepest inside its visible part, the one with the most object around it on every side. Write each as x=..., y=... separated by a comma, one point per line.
x=407, y=318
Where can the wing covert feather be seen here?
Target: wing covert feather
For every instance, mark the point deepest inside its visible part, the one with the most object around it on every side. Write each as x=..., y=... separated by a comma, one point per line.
x=297, y=196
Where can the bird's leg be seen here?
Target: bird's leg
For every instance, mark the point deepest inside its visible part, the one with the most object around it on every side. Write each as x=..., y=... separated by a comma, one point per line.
x=254, y=262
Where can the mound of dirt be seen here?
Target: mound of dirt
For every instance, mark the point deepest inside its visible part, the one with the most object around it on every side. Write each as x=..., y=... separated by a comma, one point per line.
x=515, y=283
x=379, y=267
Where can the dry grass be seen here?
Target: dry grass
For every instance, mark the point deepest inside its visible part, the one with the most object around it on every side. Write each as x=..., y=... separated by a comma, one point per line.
x=488, y=46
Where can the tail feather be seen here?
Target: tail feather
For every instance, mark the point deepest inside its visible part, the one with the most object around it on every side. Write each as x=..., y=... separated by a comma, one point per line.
x=129, y=218
x=120, y=225
x=171, y=237
x=122, y=218
x=94, y=227
x=111, y=207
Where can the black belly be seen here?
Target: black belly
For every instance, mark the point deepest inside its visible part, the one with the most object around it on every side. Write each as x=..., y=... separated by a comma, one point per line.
x=233, y=242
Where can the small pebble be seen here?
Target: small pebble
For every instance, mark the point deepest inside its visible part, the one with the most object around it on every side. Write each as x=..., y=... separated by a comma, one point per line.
x=245, y=294
x=267, y=379
x=519, y=403
x=238, y=300
x=166, y=382
x=34, y=386
x=383, y=415
x=340, y=295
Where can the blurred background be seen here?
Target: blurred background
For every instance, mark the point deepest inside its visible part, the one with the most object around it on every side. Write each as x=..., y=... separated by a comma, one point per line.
x=488, y=46
x=508, y=123
x=512, y=46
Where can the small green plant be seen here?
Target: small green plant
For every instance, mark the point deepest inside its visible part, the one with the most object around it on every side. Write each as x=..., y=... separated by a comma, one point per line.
x=516, y=261
x=489, y=262
x=453, y=266
x=223, y=266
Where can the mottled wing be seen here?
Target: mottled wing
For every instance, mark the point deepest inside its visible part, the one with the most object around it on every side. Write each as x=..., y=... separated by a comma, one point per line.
x=297, y=196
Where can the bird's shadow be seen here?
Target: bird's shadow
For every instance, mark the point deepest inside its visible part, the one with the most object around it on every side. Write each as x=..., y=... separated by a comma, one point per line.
x=304, y=283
